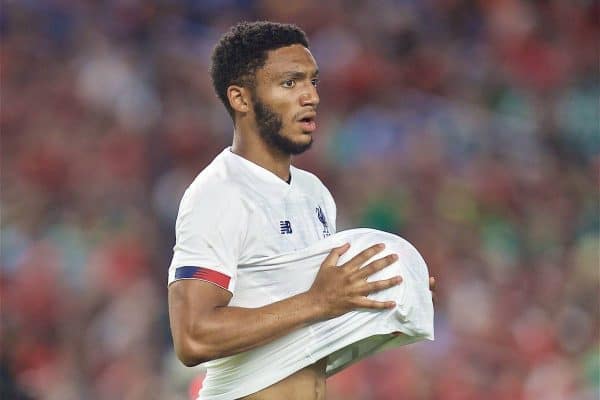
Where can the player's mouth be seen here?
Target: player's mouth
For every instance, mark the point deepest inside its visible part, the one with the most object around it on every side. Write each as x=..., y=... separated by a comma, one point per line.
x=308, y=123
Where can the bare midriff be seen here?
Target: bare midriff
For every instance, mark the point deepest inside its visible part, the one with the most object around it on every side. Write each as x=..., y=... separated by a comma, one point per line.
x=306, y=384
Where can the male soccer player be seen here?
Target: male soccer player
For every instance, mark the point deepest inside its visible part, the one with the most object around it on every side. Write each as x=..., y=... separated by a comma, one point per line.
x=251, y=204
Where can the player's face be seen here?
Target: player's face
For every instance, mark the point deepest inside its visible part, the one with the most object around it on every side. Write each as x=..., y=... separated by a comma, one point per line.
x=285, y=99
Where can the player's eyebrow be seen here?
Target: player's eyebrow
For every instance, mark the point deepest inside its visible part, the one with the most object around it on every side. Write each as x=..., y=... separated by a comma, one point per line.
x=297, y=74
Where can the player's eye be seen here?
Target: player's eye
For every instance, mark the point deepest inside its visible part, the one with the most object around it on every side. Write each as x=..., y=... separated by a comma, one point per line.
x=290, y=83
x=315, y=82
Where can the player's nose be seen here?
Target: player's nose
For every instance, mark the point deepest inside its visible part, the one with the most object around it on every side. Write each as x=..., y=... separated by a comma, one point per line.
x=310, y=97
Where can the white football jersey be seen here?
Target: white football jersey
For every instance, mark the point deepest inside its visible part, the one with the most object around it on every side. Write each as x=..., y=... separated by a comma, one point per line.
x=236, y=213
x=244, y=229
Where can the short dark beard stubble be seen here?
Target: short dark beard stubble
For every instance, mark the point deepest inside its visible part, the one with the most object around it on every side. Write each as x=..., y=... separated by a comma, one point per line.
x=269, y=127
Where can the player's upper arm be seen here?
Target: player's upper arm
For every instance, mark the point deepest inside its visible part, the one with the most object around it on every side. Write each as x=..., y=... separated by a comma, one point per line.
x=210, y=233
x=191, y=303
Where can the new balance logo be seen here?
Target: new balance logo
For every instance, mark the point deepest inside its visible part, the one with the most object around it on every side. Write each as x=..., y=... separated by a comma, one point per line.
x=285, y=227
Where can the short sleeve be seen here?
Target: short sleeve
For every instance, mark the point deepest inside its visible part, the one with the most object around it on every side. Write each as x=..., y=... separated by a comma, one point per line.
x=209, y=235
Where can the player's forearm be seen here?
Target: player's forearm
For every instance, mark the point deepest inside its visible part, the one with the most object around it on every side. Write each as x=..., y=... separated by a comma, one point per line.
x=231, y=330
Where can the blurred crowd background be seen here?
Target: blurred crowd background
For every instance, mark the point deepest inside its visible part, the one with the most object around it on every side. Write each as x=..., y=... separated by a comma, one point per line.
x=468, y=127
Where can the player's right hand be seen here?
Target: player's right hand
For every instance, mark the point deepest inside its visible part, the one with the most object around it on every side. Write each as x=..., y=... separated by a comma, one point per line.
x=339, y=289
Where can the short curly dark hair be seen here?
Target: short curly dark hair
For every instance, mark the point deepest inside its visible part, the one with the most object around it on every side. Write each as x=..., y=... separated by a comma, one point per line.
x=242, y=50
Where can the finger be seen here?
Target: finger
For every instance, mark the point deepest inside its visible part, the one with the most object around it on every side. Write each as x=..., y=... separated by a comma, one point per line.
x=361, y=258
x=365, y=302
x=432, y=283
x=375, y=266
x=378, y=286
x=432, y=288
x=335, y=254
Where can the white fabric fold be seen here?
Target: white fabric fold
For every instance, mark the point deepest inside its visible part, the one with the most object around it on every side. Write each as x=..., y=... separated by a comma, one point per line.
x=343, y=340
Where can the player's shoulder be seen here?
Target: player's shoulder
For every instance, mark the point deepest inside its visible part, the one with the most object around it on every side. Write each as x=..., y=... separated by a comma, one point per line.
x=215, y=183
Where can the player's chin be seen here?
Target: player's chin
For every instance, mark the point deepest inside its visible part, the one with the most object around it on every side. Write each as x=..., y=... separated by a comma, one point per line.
x=300, y=136
x=304, y=139
x=300, y=144
x=305, y=136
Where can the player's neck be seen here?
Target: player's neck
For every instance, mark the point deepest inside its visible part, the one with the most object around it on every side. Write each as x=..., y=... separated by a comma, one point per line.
x=254, y=149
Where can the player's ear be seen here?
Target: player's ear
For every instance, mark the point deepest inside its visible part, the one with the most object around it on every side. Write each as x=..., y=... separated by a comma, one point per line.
x=239, y=98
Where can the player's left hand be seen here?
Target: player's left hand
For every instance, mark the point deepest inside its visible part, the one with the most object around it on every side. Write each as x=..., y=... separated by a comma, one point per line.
x=432, y=288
